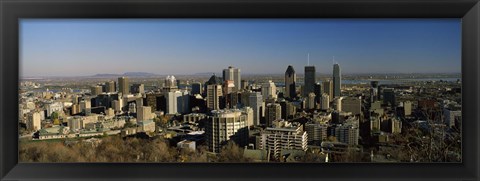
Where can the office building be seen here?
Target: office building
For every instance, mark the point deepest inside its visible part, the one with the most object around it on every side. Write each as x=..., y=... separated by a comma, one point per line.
x=225, y=125
x=273, y=112
x=123, y=86
x=137, y=89
x=233, y=74
x=290, y=81
x=352, y=104
x=214, y=92
x=317, y=89
x=144, y=113
x=197, y=88
x=146, y=126
x=110, y=86
x=348, y=132
x=310, y=101
x=269, y=90
x=310, y=79
x=328, y=88
x=337, y=80
x=325, y=102
x=374, y=91
x=389, y=97
x=178, y=102
x=95, y=90
x=256, y=103
x=248, y=112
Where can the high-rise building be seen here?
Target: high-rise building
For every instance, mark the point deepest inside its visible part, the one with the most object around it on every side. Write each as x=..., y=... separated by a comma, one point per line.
x=110, y=86
x=95, y=90
x=374, y=91
x=248, y=112
x=225, y=125
x=234, y=75
x=34, y=122
x=407, y=106
x=316, y=132
x=328, y=88
x=337, y=80
x=284, y=136
x=290, y=81
x=310, y=79
x=389, y=97
x=123, y=85
x=197, y=88
x=269, y=90
x=273, y=112
x=170, y=84
x=310, y=101
x=325, y=102
x=348, y=132
x=352, y=104
x=244, y=85
x=256, y=103
x=138, y=89
x=318, y=92
x=178, y=102
x=144, y=113
x=288, y=109
x=214, y=92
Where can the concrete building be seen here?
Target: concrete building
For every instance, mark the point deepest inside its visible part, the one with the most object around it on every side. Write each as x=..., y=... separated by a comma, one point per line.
x=352, y=104
x=95, y=90
x=146, y=126
x=178, y=102
x=214, y=92
x=224, y=125
x=110, y=86
x=234, y=75
x=256, y=103
x=407, y=107
x=34, y=122
x=284, y=136
x=273, y=112
x=348, y=132
x=328, y=88
x=310, y=101
x=290, y=81
x=123, y=86
x=269, y=90
x=451, y=117
x=137, y=89
x=248, y=112
x=325, y=102
x=55, y=107
x=337, y=81
x=310, y=79
x=389, y=97
x=317, y=132
x=144, y=113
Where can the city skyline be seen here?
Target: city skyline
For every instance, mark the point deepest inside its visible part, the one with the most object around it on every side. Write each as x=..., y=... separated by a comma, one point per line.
x=89, y=47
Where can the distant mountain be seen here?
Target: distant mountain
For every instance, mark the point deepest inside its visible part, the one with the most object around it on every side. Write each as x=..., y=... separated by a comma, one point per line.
x=106, y=75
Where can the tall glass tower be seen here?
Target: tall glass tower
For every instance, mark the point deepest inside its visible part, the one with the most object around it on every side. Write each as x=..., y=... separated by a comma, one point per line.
x=337, y=80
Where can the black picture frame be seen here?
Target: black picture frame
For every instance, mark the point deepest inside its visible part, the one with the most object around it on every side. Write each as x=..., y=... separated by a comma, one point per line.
x=12, y=10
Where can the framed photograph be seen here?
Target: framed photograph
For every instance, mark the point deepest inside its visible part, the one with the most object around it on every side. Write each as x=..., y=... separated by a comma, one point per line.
x=239, y=90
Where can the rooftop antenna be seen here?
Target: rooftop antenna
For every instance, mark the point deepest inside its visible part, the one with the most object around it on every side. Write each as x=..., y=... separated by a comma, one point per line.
x=333, y=60
x=308, y=59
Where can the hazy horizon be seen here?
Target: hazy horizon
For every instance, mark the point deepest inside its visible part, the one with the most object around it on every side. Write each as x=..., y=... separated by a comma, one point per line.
x=50, y=47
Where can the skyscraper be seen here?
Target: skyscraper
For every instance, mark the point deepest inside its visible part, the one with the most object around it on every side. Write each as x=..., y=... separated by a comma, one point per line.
x=255, y=102
x=269, y=90
x=290, y=80
x=226, y=125
x=214, y=92
x=310, y=79
x=110, y=86
x=389, y=97
x=318, y=92
x=234, y=75
x=328, y=88
x=123, y=85
x=325, y=102
x=337, y=80
x=196, y=88
x=273, y=112
x=95, y=90
x=138, y=89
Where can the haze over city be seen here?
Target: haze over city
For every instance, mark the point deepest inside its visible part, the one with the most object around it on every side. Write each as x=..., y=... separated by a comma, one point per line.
x=261, y=46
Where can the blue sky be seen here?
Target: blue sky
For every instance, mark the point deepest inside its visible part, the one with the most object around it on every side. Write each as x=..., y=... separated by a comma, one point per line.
x=186, y=46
